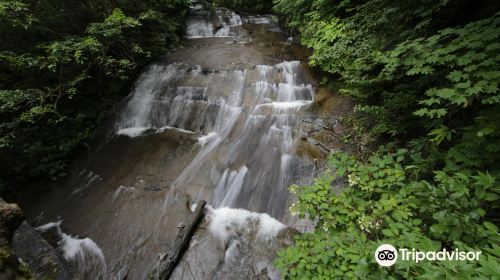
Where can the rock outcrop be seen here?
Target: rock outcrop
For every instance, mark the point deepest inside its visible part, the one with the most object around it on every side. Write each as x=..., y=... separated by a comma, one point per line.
x=40, y=257
x=24, y=253
x=11, y=216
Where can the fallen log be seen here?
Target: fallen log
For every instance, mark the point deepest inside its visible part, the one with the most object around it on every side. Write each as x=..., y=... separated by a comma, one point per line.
x=167, y=262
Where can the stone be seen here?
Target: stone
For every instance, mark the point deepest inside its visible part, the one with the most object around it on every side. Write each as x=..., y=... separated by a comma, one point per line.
x=11, y=216
x=42, y=259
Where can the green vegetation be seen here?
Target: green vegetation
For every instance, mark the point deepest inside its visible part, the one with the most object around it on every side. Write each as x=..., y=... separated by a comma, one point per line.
x=63, y=64
x=425, y=76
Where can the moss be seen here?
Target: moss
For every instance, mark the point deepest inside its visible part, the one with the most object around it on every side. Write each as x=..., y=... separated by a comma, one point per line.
x=24, y=273
x=10, y=262
x=5, y=253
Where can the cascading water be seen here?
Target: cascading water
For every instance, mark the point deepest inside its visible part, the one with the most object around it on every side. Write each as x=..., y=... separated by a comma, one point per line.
x=203, y=24
x=84, y=252
x=259, y=20
x=219, y=120
x=246, y=128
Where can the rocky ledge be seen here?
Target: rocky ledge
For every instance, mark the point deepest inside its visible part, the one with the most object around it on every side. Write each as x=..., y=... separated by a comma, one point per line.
x=24, y=253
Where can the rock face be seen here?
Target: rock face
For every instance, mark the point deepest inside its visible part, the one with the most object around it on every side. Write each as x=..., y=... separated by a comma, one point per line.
x=42, y=259
x=11, y=217
x=24, y=253
x=234, y=244
x=233, y=118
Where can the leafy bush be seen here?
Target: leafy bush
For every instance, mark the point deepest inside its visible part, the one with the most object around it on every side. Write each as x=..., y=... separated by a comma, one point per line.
x=385, y=202
x=425, y=76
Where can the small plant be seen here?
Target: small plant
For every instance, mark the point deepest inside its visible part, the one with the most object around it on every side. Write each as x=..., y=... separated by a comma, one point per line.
x=384, y=202
x=426, y=82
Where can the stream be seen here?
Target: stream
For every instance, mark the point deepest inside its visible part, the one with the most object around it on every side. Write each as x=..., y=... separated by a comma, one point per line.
x=226, y=118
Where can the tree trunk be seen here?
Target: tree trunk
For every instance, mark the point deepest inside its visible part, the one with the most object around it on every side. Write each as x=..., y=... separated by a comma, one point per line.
x=167, y=262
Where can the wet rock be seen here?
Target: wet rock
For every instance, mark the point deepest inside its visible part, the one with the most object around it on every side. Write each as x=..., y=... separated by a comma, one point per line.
x=202, y=258
x=234, y=244
x=286, y=237
x=52, y=236
x=210, y=89
x=11, y=217
x=42, y=259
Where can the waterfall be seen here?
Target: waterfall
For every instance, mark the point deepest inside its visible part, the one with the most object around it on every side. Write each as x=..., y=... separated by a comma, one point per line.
x=258, y=20
x=246, y=127
x=220, y=119
x=84, y=252
x=202, y=24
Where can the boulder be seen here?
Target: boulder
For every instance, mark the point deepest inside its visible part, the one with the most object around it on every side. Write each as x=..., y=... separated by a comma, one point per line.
x=43, y=260
x=11, y=216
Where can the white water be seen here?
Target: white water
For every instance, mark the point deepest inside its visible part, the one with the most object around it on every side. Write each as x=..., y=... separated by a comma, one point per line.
x=226, y=223
x=147, y=88
x=229, y=187
x=132, y=131
x=244, y=122
x=88, y=180
x=138, y=131
x=242, y=232
x=258, y=20
x=84, y=252
x=201, y=25
x=225, y=133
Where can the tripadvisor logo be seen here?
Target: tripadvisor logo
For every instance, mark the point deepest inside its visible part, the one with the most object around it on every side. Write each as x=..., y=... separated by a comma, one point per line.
x=387, y=255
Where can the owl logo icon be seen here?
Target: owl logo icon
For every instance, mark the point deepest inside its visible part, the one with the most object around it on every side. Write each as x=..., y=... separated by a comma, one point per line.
x=386, y=255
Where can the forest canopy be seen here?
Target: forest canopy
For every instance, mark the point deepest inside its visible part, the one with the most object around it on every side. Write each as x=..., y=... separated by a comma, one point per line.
x=63, y=64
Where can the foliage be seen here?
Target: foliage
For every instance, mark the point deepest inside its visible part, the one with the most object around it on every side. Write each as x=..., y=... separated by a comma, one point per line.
x=385, y=202
x=425, y=76
x=63, y=65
